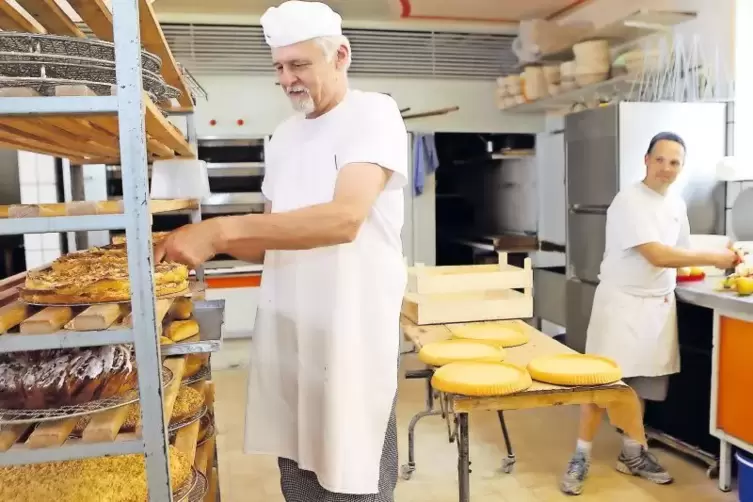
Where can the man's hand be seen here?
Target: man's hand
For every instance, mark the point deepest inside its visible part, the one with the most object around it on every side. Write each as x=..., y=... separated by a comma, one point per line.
x=190, y=245
x=724, y=259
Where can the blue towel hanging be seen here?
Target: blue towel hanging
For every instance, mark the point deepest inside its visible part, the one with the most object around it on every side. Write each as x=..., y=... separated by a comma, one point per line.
x=425, y=160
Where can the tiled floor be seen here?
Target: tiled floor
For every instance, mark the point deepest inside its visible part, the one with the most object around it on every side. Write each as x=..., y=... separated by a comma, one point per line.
x=543, y=440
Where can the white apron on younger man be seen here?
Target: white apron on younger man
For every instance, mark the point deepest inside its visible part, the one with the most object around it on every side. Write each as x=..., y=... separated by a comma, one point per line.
x=633, y=318
x=325, y=351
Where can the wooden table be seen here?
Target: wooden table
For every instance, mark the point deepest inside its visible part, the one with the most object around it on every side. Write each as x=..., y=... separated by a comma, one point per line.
x=620, y=401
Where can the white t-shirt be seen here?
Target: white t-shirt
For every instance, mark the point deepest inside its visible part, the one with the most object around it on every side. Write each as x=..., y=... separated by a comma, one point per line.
x=639, y=215
x=365, y=127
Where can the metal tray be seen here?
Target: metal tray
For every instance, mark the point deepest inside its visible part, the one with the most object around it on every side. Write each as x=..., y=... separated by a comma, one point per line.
x=47, y=86
x=210, y=314
x=199, y=488
x=89, y=72
x=70, y=46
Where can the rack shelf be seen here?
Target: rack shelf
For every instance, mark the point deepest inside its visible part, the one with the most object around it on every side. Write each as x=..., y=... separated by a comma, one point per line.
x=50, y=218
x=63, y=209
x=83, y=129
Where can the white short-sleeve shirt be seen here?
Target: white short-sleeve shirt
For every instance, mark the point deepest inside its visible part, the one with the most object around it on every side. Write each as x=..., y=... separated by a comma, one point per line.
x=639, y=215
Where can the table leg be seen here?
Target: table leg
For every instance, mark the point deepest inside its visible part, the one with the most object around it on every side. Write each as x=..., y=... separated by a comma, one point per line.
x=509, y=462
x=464, y=463
x=407, y=470
x=725, y=466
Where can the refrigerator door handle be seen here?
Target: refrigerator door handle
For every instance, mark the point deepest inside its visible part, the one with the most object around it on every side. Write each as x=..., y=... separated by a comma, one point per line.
x=582, y=209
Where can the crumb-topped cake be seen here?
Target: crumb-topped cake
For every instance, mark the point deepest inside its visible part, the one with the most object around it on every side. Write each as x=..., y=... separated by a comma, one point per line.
x=53, y=378
x=188, y=402
x=104, y=479
x=96, y=275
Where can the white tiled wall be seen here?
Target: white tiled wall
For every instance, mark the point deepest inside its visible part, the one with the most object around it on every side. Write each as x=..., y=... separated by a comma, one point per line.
x=38, y=186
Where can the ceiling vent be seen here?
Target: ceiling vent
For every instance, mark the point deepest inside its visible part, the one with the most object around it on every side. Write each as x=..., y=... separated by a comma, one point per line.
x=231, y=50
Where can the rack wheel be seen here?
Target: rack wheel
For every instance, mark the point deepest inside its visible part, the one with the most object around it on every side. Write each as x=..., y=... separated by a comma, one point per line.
x=712, y=472
x=406, y=471
x=508, y=465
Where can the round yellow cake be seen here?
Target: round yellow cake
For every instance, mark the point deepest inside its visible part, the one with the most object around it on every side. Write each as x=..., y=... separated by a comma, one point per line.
x=575, y=370
x=481, y=379
x=496, y=333
x=448, y=351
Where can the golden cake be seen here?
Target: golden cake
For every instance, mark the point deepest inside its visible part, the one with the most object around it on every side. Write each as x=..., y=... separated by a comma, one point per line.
x=97, y=275
x=104, y=479
x=53, y=378
x=503, y=334
x=575, y=370
x=448, y=351
x=479, y=379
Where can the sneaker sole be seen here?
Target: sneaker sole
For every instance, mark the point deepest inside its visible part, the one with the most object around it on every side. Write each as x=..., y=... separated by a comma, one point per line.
x=624, y=469
x=572, y=492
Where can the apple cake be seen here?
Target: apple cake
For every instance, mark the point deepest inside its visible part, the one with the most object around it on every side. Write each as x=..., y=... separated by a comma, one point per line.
x=156, y=237
x=48, y=379
x=97, y=275
x=104, y=479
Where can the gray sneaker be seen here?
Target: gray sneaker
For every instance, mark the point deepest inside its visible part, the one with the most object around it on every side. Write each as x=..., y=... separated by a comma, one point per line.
x=577, y=470
x=644, y=465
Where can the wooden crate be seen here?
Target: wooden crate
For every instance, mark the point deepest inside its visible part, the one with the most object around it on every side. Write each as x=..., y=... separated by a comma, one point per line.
x=438, y=295
x=469, y=278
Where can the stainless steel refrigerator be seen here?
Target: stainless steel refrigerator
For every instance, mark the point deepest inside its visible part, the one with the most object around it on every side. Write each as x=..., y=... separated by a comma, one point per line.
x=605, y=150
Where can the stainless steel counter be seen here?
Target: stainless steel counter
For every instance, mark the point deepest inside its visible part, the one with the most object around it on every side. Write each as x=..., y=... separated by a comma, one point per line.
x=703, y=295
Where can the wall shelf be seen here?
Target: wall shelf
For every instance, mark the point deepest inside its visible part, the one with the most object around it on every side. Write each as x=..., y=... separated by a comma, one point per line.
x=642, y=23
x=615, y=87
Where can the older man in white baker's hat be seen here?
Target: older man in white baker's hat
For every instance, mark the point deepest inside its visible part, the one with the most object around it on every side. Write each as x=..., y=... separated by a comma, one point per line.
x=324, y=367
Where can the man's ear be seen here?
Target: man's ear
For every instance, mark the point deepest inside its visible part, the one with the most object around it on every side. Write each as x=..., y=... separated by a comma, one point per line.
x=342, y=57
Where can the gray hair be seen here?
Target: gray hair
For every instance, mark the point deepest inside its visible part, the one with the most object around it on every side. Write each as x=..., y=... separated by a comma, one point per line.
x=331, y=44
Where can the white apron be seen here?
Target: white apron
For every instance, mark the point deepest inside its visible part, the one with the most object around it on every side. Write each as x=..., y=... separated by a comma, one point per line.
x=324, y=363
x=639, y=332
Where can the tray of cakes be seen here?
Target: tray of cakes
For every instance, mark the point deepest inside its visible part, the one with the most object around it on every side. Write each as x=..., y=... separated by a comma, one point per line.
x=100, y=275
x=113, y=479
x=45, y=385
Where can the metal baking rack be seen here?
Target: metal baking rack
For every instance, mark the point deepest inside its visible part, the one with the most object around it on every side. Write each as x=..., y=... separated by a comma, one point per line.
x=128, y=128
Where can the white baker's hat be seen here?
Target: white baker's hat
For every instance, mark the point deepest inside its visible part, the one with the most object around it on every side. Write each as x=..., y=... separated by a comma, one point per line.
x=296, y=21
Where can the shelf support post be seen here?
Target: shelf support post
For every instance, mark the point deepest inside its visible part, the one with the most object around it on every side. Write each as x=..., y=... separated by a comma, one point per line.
x=131, y=111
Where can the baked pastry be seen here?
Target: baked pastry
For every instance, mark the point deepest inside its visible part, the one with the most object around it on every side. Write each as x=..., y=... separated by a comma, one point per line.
x=182, y=308
x=54, y=378
x=119, y=478
x=181, y=330
x=121, y=238
x=188, y=402
x=194, y=363
x=97, y=275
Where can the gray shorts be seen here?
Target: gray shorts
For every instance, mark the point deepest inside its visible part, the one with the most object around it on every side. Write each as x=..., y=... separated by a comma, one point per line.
x=649, y=388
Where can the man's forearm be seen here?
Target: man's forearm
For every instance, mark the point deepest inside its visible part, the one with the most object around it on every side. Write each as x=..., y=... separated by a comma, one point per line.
x=307, y=228
x=673, y=257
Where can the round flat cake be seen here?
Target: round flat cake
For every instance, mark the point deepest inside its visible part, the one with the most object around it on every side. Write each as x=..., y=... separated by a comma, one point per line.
x=502, y=334
x=448, y=351
x=481, y=379
x=575, y=370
